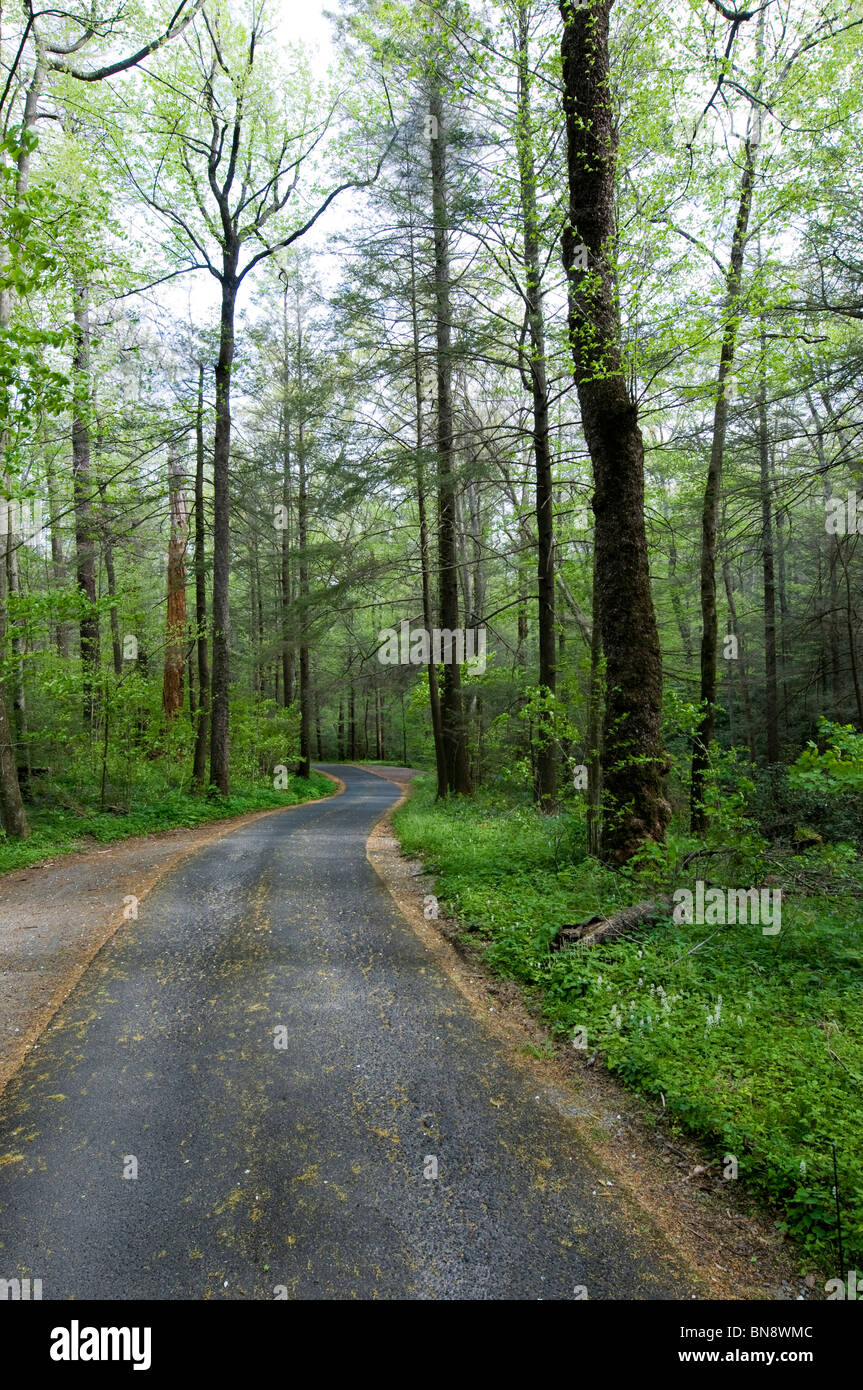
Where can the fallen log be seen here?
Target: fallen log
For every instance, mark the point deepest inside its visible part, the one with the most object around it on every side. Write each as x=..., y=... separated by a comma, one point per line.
x=596, y=929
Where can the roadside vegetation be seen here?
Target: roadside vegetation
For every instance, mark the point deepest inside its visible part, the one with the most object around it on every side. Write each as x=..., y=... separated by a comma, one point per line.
x=751, y=1041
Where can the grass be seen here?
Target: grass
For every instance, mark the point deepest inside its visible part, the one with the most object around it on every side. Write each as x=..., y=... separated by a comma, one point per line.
x=754, y=1042
x=57, y=829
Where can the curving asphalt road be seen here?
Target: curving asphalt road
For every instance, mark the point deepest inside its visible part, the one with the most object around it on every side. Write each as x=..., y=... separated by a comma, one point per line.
x=300, y=1170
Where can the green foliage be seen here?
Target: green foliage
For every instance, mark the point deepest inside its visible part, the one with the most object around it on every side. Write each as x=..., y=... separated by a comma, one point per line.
x=755, y=1042
x=836, y=768
x=65, y=814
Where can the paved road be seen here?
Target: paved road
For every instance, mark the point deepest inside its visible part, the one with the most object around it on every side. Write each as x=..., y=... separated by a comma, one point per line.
x=301, y=1170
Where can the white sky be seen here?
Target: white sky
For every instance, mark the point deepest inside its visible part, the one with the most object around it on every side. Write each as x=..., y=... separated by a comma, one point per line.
x=304, y=20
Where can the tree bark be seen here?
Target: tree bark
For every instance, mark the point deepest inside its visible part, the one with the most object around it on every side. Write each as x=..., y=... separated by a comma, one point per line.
x=221, y=680
x=710, y=509
x=741, y=662
x=635, y=762
x=425, y=564
x=771, y=694
x=175, y=619
x=85, y=529
x=285, y=577
x=594, y=730
x=12, y=814
x=199, y=769
x=305, y=762
x=58, y=559
x=545, y=782
x=110, y=576
x=452, y=716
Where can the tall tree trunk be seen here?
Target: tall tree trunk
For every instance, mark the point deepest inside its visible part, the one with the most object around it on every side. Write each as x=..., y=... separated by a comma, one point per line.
x=545, y=784
x=12, y=815
x=110, y=574
x=701, y=744
x=782, y=589
x=677, y=600
x=428, y=615
x=710, y=509
x=220, y=776
x=452, y=719
x=85, y=528
x=319, y=737
x=741, y=662
x=285, y=576
x=771, y=694
x=304, y=765
x=594, y=729
x=175, y=622
x=851, y=625
x=634, y=760
x=58, y=559
x=256, y=643
x=379, y=726
x=18, y=645
x=199, y=770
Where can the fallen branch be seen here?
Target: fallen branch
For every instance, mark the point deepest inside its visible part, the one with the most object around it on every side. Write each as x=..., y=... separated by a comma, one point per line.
x=698, y=853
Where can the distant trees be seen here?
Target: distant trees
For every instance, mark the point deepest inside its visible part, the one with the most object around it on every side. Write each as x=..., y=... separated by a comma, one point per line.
x=576, y=256
x=225, y=171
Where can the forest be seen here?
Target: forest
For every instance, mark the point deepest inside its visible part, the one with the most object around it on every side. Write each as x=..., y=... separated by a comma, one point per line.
x=474, y=388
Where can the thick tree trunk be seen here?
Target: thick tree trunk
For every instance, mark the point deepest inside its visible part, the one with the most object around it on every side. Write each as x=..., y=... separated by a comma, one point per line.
x=545, y=782
x=199, y=770
x=452, y=717
x=221, y=680
x=175, y=622
x=85, y=527
x=635, y=762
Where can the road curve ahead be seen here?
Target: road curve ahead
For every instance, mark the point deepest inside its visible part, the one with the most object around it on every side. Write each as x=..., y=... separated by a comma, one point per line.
x=280, y=1059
